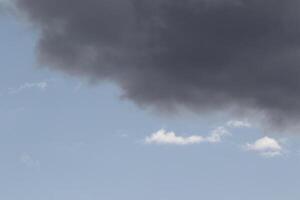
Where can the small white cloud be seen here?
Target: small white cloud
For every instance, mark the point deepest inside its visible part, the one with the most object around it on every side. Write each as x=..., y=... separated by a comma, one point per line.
x=38, y=85
x=238, y=124
x=164, y=137
x=265, y=146
x=27, y=160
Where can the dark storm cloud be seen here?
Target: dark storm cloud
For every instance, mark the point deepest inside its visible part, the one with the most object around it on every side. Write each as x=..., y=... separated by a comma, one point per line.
x=199, y=54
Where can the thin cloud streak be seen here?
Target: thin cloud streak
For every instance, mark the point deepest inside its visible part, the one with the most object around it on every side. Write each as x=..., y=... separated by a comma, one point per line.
x=238, y=124
x=27, y=86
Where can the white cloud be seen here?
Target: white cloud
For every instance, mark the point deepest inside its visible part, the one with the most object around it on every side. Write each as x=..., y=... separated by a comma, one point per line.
x=238, y=124
x=164, y=137
x=27, y=160
x=265, y=146
x=38, y=85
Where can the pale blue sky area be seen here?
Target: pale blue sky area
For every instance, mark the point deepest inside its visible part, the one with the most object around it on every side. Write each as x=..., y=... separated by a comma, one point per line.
x=62, y=139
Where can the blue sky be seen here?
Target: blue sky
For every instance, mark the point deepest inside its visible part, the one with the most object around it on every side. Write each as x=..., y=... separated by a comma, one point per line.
x=62, y=138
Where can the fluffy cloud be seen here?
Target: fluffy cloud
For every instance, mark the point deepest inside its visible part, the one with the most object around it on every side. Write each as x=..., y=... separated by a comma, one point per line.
x=164, y=137
x=265, y=146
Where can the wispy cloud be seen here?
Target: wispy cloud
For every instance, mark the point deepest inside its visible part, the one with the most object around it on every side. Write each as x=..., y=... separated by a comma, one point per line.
x=238, y=124
x=78, y=86
x=217, y=134
x=266, y=146
x=26, y=86
x=164, y=137
x=29, y=161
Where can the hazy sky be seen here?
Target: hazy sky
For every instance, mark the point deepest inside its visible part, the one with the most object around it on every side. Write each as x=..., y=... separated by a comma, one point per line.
x=66, y=137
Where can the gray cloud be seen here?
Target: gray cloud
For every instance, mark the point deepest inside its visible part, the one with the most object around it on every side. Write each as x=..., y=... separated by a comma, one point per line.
x=4, y=6
x=198, y=54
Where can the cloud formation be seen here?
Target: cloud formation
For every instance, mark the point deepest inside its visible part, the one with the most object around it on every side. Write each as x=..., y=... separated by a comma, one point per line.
x=265, y=146
x=37, y=85
x=197, y=54
x=164, y=137
x=238, y=124
x=28, y=161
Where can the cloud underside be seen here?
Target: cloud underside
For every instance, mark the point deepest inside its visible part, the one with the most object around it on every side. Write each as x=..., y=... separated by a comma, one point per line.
x=197, y=54
x=164, y=137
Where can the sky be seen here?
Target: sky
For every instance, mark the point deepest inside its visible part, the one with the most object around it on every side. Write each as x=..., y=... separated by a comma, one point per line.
x=76, y=127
